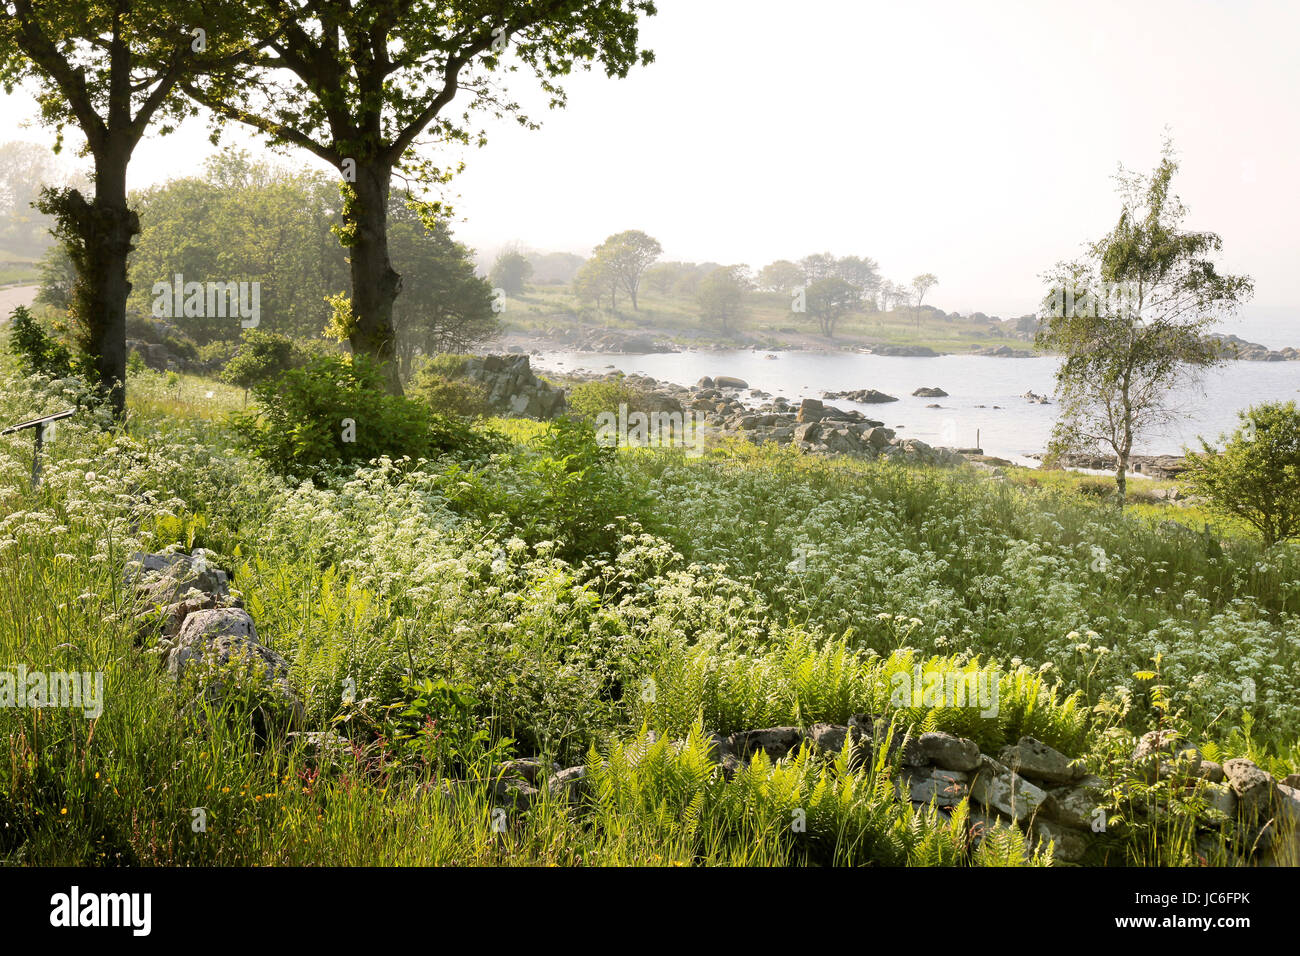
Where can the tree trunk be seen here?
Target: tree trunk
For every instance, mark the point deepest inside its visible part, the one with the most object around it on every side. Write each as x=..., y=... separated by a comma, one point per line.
x=375, y=284
x=1121, y=476
x=98, y=236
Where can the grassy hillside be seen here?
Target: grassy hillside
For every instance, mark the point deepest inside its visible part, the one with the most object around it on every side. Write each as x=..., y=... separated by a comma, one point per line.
x=766, y=319
x=747, y=587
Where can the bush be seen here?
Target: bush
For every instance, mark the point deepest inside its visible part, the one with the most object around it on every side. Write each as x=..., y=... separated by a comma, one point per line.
x=37, y=350
x=564, y=487
x=590, y=399
x=448, y=395
x=1256, y=476
x=335, y=409
x=261, y=356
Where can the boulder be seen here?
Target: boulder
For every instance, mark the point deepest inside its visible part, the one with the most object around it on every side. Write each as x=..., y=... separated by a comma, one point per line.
x=1068, y=846
x=949, y=752
x=999, y=788
x=727, y=381
x=221, y=644
x=1254, y=788
x=166, y=578
x=930, y=393
x=1034, y=759
x=1076, y=806
x=568, y=785
x=946, y=788
x=810, y=410
x=776, y=742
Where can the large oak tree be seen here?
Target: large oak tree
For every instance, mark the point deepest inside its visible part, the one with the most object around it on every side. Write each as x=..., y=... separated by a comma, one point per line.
x=111, y=69
x=359, y=82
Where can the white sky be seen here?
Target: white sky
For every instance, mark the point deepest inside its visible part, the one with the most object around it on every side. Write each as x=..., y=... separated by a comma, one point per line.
x=975, y=140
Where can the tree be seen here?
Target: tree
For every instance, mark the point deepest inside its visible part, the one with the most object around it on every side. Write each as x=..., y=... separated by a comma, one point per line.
x=511, y=271
x=357, y=84
x=596, y=280
x=253, y=222
x=445, y=305
x=626, y=256
x=1256, y=475
x=920, y=286
x=24, y=169
x=861, y=273
x=1130, y=320
x=721, y=294
x=820, y=265
x=829, y=299
x=780, y=276
x=112, y=69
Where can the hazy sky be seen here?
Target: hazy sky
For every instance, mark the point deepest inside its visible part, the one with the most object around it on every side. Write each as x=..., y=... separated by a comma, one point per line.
x=975, y=140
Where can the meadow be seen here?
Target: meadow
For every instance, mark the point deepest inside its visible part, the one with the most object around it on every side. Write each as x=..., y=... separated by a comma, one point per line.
x=519, y=600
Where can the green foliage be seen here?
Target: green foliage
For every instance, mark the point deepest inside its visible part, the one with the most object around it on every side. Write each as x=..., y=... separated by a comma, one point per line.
x=336, y=410
x=1131, y=318
x=38, y=352
x=437, y=725
x=511, y=272
x=261, y=357
x=587, y=400
x=1256, y=475
x=449, y=396
x=564, y=487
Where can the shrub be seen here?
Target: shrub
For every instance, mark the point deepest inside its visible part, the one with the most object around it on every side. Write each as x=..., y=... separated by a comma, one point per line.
x=1256, y=476
x=563, y=486
x=261, y=356
x=590, y=399
x=39, y=352
x=335, y=409
x=450, y=396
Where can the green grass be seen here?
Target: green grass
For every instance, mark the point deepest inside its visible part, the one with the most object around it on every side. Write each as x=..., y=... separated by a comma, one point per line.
x=748, y=587
x=767, y=318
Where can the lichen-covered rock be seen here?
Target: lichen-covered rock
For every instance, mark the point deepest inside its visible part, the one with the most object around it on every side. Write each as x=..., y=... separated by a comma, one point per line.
x=1160, y=755
x=568, y=785
x=946, y=788
x=220, y=645
x=1254, y=788
x=998, y=787
x=166, y=578
x=776, y=742
x=1034, y=759
x=1080, y=806
x=949, y=752
x=1284, y=840
x=1068, y=846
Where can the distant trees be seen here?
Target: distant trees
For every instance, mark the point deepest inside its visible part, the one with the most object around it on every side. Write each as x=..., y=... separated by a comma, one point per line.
x=617, y=265
x=780, y=276
x=1129, y=319
x=511, y=271
x=627, y=255
x=721, y=294
x=1256, y=475
x=24, y=169
x=920, y=286
x=830, y=299
x=555, y=268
